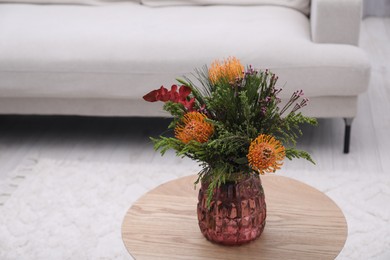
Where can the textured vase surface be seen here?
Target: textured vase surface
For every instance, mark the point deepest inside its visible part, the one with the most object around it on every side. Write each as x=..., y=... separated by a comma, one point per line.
x=237, y=211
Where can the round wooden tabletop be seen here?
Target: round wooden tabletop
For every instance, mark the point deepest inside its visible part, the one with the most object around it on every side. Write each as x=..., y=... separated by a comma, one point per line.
x=302, y=223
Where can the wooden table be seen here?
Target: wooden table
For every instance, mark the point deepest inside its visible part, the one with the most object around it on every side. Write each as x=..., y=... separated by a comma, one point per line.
x=302, y=223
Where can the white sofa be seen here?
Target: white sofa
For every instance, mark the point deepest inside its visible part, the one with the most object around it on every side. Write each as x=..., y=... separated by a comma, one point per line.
x=100, y=58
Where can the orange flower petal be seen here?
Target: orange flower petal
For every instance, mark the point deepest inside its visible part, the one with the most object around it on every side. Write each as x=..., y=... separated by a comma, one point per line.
x=194, y=127
x=230, y=69
x=266, y=154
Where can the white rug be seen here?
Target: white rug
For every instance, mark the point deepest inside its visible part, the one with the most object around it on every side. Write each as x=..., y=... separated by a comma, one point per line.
x=74, y=210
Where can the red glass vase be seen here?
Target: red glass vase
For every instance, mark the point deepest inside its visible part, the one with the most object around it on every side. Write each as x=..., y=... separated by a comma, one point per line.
x=237, y=211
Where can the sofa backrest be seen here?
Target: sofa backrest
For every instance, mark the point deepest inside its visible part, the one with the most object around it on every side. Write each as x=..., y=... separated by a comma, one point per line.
x=68, y=2
x=300, y=5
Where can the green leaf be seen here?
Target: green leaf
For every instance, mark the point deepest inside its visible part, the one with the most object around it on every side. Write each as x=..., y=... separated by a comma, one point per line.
x=294, y=153
x=242, y=160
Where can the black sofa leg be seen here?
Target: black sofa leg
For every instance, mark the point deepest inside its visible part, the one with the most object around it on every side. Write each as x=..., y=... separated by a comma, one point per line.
x=347, y=134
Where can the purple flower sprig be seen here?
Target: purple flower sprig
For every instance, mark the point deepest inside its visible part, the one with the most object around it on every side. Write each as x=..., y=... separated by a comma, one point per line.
x=268, y=92
x=265, y=103
x=300, y=105
x=294, y=97
x=277, y=91
x=250, y=71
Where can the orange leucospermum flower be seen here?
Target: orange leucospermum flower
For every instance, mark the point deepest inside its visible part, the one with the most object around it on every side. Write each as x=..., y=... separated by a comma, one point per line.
x=266, y=154
x=230, y=69
x=193, y=126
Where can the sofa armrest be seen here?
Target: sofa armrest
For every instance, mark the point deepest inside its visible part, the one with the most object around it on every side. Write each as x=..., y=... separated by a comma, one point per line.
x=336, y=21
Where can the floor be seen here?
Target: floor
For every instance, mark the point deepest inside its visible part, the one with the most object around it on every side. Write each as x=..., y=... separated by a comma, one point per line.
x=24, y=139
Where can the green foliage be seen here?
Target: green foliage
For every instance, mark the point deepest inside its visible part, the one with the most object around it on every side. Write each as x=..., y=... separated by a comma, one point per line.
x=294, y=153
x=239, y=111
x=177, y=110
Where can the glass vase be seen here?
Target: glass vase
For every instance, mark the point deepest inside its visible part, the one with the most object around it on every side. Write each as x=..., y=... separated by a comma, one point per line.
x=237, y=211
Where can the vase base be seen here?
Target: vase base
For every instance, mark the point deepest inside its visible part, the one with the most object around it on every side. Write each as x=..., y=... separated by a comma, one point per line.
x=233, y=240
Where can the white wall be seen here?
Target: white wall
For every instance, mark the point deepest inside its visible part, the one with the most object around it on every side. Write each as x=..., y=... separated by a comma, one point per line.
x=376, y=8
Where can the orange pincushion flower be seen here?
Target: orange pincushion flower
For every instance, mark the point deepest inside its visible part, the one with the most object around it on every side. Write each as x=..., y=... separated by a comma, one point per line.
x=194, y=127
x=230, y=69
x=265, y=154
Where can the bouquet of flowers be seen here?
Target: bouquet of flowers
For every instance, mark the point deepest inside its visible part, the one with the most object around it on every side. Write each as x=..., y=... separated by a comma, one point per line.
x=231, y=122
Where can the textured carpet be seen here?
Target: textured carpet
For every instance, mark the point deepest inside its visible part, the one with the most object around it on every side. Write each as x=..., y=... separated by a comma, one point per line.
x=74, y=210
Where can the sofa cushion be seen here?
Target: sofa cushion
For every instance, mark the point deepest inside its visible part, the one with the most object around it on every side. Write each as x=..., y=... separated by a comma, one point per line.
x=68, y=2
x=300, y=5
x=124, y=51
